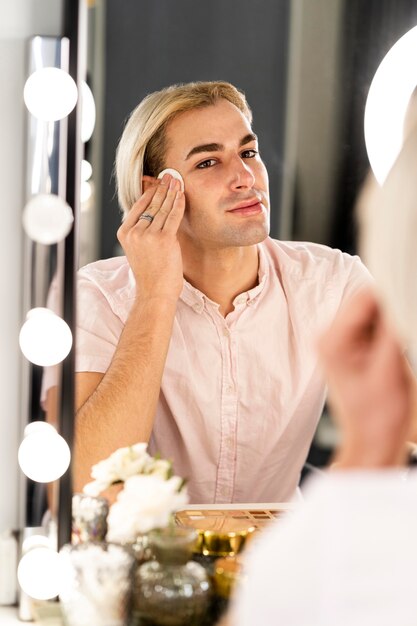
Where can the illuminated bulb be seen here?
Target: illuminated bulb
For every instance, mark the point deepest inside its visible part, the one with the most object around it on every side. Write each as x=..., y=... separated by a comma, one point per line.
x=34, y=427
x=50, y=94
x=387, y=103
x=88, y=112
x=35, y=541
x=43, y=455
x=45, y=339
x=47, y=218
x=86, y=170
x=86, y=191
x=38, y=573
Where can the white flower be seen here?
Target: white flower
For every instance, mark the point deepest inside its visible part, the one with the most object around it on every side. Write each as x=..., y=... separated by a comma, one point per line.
x=146, y=502
x=161, y=468
x=95, y=488
x=119, y=466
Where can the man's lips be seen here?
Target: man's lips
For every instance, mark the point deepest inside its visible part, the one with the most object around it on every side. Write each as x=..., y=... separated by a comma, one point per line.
x=250, y=207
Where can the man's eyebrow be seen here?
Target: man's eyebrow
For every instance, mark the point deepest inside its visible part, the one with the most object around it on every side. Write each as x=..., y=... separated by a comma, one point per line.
x=218, y=147
x=205, y=147
x=248, y=138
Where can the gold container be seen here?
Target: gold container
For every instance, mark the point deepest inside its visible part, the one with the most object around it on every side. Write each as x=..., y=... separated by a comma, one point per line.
x=218, y=535
x=227, y=574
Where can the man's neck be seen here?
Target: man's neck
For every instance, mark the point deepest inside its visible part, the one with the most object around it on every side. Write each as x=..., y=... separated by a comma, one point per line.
x=222, y=274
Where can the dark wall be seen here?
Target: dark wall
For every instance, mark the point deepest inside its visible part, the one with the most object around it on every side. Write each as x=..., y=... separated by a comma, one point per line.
x=153, y=43
x=371, y=28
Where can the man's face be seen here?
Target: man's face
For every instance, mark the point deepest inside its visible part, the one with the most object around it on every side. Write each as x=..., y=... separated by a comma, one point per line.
x=226, y=182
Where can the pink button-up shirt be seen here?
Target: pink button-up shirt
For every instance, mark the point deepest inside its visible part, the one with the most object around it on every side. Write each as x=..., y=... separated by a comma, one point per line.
x=241, y=395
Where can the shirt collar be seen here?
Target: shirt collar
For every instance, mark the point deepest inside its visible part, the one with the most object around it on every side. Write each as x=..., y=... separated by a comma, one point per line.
x=197, y=299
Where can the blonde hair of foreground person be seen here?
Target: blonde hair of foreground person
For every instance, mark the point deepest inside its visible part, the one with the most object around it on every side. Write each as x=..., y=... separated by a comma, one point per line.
x=388, y=226
x=143, y=143
x=367, y=351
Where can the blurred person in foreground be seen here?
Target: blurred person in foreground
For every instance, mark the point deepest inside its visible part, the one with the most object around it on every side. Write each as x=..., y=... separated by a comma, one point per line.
x=347, y=556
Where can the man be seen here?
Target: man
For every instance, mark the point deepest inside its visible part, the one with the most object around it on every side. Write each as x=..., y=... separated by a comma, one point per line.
x=200, y=339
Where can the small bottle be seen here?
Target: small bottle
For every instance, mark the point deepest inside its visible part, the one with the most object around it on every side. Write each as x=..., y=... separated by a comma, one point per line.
x=8, y=568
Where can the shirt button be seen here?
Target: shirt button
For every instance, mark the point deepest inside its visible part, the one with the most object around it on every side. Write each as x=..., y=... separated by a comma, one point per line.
x=241, y=300
x=230, y=388
x=197, y=307
x=226, y=332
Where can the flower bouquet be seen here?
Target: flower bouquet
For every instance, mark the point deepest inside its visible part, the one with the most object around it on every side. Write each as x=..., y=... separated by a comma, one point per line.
x=170, y=588
x=150, y=496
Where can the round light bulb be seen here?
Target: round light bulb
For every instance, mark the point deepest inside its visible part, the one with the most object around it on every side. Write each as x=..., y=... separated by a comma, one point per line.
x=38, y=573
x=88, y=112
x=44, y=456
x=387, y=102
x=86, y=170
x=86, y=192
x=35, y=541
x=47, y=218
x=45, y=339
x=38, y=426
x=50, y=94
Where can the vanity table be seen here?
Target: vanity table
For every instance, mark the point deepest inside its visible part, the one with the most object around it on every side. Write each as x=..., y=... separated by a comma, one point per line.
x=8, y=616
x=214, y=522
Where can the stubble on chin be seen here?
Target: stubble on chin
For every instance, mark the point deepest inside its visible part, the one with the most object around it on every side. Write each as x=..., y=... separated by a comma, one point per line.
x=246, y=234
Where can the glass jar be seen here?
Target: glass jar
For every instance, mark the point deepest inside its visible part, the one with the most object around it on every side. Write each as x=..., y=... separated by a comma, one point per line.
x=172, y=590
x=89, y=518
x=96, y=584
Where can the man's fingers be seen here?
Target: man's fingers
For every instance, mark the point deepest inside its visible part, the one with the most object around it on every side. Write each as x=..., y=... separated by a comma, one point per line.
x=149, y=202
x=176, y=214
x=160, y=196
x=358, y=313
x=354, y=324
x=167, y=205
x=137, y=209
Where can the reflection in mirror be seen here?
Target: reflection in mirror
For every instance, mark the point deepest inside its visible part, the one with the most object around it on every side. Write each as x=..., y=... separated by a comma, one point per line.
x=305, y=68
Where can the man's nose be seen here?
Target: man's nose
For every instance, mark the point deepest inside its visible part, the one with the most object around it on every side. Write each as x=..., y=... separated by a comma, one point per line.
x=241, y=174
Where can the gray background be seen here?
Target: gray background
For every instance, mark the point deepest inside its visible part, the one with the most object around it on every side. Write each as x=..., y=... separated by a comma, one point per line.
x=155, y=43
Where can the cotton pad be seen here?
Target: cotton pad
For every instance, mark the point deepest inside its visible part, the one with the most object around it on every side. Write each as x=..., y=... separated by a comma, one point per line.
x=174, y=174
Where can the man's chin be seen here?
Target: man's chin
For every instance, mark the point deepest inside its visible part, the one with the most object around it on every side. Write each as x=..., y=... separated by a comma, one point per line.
x=254, y=235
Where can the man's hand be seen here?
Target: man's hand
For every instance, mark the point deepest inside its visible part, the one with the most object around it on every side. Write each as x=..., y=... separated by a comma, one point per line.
x=153, y=249
x=371, y=387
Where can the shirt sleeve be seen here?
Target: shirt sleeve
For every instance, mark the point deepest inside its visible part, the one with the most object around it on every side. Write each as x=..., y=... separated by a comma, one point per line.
x=358, y=277
x=97, y=333
x=98, y=329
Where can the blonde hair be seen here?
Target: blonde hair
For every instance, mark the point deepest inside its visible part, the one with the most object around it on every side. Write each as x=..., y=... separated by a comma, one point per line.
x=388, y=225
x=142, y=146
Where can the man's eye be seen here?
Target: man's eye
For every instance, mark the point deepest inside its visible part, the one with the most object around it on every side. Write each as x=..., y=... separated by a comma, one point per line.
x=249, y=154
x=206, y=163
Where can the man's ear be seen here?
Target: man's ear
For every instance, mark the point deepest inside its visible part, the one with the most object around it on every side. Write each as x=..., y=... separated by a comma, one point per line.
x=148, y=181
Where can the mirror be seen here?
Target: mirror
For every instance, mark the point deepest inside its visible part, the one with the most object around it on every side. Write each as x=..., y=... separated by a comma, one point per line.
x=305, y=67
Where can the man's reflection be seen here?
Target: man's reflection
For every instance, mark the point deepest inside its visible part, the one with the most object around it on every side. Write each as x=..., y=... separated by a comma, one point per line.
x=200, y=339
